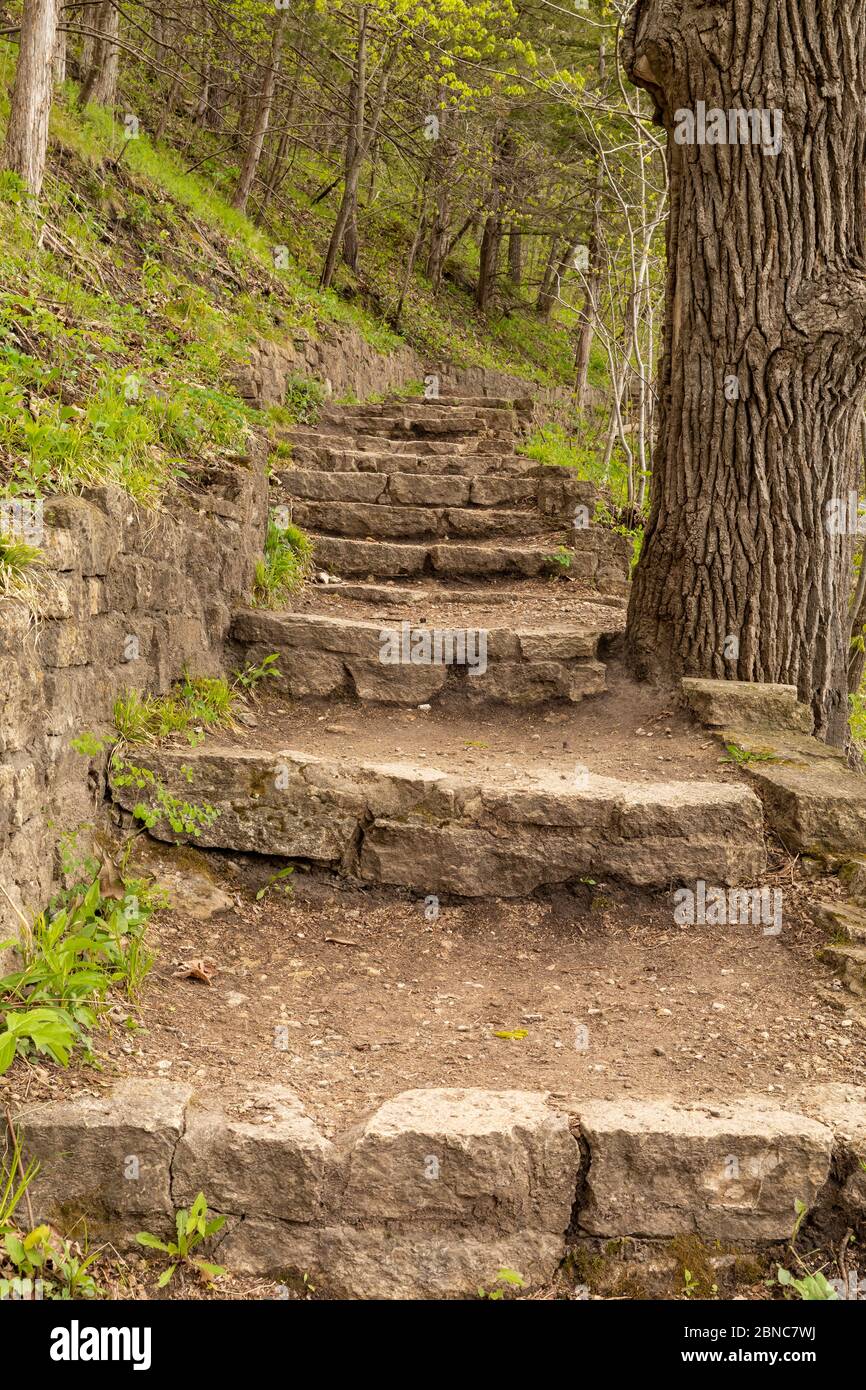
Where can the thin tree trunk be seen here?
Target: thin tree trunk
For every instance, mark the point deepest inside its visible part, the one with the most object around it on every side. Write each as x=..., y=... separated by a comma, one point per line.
x=590, y=298
x=491, y=238
x=515, y=255
x=764, y=366
x=99, y=83
x=58, y=61
x=488, y=261
x=553, y=277
x=250, y=165
x=544, y=299
x=361, y=134
x=26, y=144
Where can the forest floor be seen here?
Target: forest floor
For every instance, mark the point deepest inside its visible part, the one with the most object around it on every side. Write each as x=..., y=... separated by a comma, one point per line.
x=350, y=995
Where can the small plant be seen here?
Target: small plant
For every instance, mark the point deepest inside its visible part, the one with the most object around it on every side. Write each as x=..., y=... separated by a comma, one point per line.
x=279, y=881
x=193, y=705
x=303, y=400
x=252, y=676
x=812, y=1288
x=192, y=1228
x=83, y=947
x=17, y=562
x=36, y=1263
x=510, y=1278
x=287, y=561
x=61, y=1268
x=559, y=563
x=184, y=817
x=741, y=756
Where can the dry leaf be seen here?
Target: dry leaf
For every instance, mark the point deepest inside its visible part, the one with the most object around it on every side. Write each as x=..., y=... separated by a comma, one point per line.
x=203, y=969
x=110, y=882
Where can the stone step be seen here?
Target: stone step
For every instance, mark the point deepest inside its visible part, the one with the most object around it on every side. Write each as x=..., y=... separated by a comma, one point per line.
x=429, y=414
x=446, y=427
x=519, y=403
x=842, y=920
x=602, y=558
x=812, y=800
x=333, y=456
x=503, y=834
x=462, y=446
x=421, y=489
x=410, y=664
x=365, y=520
x=849, y=962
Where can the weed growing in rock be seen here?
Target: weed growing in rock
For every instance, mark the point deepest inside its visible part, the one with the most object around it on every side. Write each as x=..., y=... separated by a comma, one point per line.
x=192, y=1228
x=287, y=561
x=184, y=817
x=559, y=562
x=507, y=1277
x=194, y=705
x=18, y=562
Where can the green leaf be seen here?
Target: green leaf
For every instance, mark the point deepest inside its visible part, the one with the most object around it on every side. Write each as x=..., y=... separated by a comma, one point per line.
x=8, y=1044
x=165, y=1276
x=145, y=1238
x=15, y=1249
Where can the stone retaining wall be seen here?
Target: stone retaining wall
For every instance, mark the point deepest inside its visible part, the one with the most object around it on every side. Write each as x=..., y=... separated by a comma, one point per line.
x=438, y=1189
x=342, y=358
x=128, y=599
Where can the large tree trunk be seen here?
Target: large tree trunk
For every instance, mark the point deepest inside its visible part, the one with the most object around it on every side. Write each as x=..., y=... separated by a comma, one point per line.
x=26, y=142
x=99, y=83
x=263, y=116
x=764, y=364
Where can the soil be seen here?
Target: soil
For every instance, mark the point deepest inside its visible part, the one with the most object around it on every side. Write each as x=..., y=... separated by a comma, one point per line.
x=540, y=603
x=623, y=734
x=349, y=996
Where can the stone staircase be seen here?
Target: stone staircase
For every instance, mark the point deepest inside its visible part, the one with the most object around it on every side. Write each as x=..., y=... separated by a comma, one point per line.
x=426, y=730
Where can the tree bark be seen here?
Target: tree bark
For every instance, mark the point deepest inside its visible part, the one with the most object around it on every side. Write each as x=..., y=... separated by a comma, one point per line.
x=263, y=116
x=26, y=144
x=554, y=275
x=491, y=239
x=488, y=261
x=764, y=363
x=543, y=299
x=99, y=82
x=589, y=308
x=58, y=60
x=515, y=255
x=360, y=137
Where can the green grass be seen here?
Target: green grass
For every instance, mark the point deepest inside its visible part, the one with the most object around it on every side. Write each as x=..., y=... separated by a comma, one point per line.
x=287, y=561
x=193, y=706
x=19, y=562
x=584, y=452
x=131, y=299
